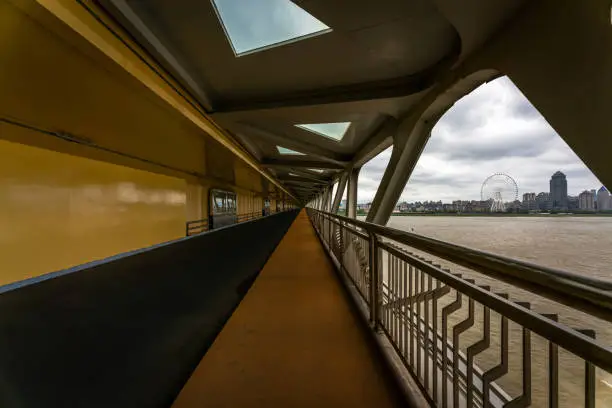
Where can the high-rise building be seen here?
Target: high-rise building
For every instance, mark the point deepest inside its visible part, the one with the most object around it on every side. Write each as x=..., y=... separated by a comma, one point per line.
x=529, y=202
x=558, y=191
x=604, y=201
x=586, y=200
x=543, y=201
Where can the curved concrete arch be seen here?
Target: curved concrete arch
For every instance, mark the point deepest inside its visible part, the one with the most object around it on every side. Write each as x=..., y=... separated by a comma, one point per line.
x=413, y=134
x=558, y=55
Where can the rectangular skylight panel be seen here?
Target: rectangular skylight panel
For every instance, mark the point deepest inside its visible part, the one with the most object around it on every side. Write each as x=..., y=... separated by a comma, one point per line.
x=334, y=131
x=284, y=150
x=255, y=25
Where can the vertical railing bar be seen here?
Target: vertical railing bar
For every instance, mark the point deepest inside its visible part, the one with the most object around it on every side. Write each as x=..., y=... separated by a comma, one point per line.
x=400, y=309
x=405, y=309
x=342, y=270
x=360, y=270
x=368, y=277
x=329, y=236
x=426, y=337
x=391, y=289
x=421, y=281
x=387, y=311
x=502, y=368
x=434, y=357
x=373, y=282
x=527, y=365
x=379, y=286
x=553, y=369
x=410, y=310
x=589, y=376
x=553, y=375
x=524, y=400
x=362, y=274
x=458, y=329
x=396, y=300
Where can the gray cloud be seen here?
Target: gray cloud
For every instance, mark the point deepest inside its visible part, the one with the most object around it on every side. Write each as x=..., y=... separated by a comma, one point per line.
x=494, y=129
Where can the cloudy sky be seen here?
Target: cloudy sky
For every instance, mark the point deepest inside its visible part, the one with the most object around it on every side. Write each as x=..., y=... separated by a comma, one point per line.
x=493, y=129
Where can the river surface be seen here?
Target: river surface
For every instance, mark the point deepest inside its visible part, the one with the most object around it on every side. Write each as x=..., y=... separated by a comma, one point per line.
x=578, y=244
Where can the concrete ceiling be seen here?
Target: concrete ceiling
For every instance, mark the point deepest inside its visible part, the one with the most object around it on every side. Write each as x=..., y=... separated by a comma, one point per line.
x=377, y=62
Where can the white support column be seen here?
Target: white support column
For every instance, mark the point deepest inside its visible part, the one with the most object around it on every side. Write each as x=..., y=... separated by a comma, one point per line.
x=403, y=159
x=351, y=196
x=339, y=192
x=384, y=182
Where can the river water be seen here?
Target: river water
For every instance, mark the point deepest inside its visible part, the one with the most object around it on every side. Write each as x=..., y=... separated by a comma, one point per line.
x=578, y=244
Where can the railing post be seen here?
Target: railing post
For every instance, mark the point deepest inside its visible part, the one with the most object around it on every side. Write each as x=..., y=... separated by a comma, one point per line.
x=374, y=282
x=329, y=237
x=341, y=248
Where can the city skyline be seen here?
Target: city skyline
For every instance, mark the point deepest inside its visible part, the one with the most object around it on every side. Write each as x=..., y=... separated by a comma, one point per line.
x=493, y=129
x=556, y=199
x=520, y=193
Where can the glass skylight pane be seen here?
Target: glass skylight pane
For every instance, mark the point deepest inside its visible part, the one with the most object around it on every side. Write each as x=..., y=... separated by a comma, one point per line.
x=284, y=150
x=253, y=25
x=317, y=170
x=334, y=131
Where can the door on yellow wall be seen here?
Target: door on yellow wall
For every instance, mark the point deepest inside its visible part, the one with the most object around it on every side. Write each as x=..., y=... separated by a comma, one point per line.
x=223, y=208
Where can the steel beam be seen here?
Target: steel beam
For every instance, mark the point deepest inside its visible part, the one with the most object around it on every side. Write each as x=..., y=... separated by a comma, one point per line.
x=290, y=163
x=310, y=149
x=296, y=179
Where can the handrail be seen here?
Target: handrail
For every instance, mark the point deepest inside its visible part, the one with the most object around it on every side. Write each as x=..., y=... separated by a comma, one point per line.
x=203, y=224
x=438, y=322
x=590, y=295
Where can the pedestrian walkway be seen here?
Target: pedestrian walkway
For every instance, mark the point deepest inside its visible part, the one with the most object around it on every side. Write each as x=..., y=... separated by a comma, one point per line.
x=294, y=341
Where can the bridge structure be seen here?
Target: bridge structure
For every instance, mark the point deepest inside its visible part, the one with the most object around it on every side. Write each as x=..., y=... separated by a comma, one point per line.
x=172, y=232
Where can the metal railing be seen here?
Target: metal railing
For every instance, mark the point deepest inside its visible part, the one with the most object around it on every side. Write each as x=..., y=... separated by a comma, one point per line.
x=203, y=225
x=196, y=227
x=464, y=343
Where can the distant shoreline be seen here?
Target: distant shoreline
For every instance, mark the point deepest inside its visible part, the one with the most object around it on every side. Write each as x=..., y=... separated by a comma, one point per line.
x=498, y=215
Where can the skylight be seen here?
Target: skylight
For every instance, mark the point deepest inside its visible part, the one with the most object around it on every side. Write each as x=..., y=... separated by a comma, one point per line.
x=317, y=170
x=252, y=26
x=284, y=150
x=334, y=131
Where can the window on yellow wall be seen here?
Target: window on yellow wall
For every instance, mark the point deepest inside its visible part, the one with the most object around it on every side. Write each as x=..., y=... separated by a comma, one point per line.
x=219, y=203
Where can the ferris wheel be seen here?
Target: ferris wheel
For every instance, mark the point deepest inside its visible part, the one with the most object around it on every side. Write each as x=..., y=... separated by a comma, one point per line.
x=500, y=188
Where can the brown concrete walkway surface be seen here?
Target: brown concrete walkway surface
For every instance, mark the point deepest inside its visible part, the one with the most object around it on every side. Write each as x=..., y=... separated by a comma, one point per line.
x=293, y=341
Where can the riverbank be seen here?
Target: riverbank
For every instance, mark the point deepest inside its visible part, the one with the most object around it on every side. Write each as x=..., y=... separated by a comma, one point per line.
x=494, y=215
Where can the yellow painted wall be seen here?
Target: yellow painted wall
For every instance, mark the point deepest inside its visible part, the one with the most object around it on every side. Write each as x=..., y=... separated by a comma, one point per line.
x=197, y=202
x=243, y=203
x=249, y=202
x=58, y=210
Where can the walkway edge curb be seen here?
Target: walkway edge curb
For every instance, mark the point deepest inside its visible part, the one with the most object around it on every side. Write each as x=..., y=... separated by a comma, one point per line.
x=410, y=390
